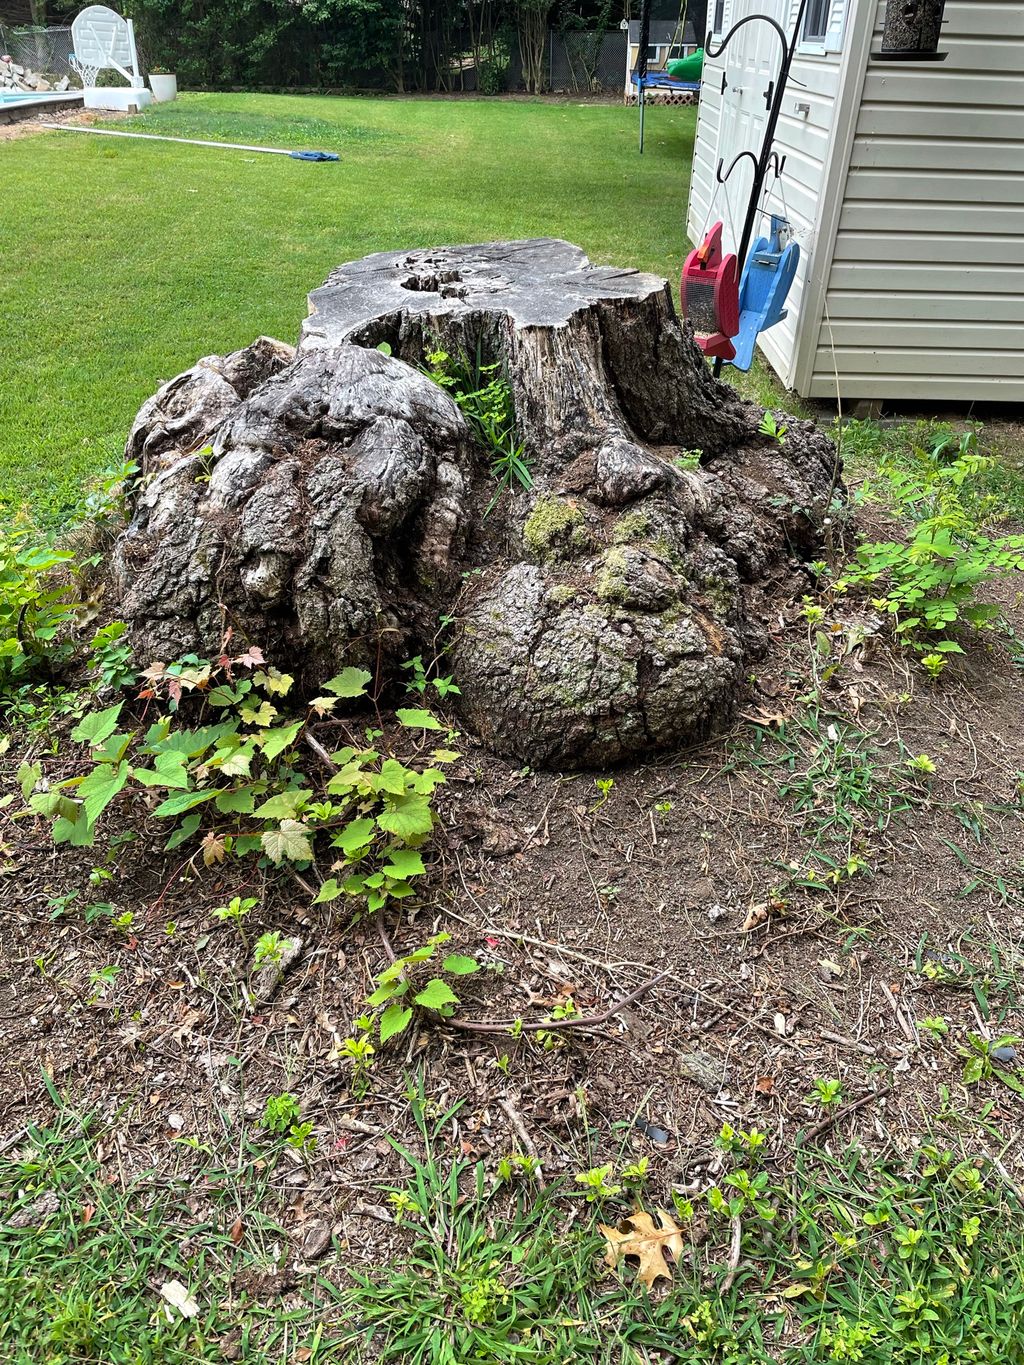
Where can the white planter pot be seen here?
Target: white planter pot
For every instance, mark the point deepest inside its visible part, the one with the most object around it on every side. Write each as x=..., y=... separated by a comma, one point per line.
x=165, y=88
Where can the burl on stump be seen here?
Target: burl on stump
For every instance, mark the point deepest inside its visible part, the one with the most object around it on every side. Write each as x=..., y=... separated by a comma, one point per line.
x=328, y=503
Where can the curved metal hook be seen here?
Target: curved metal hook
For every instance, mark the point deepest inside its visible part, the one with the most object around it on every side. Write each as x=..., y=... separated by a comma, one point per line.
x=732, y=164
x=750, y=19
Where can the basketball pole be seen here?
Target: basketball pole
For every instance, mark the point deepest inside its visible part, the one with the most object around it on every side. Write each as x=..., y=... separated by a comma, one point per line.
x=641, y=62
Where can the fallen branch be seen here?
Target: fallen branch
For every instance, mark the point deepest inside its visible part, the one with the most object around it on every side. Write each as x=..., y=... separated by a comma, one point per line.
x=845, y=1112
x=385, y=937
x=584, y=1021
x=320, y=751
x=734, y=1254
x=271, y=976
x=13, y=1140
x=515, y=1118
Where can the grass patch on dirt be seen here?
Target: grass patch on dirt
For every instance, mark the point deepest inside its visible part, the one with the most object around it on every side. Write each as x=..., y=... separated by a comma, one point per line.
x=100, y=1265
x=775, y=1258
x=163, y=253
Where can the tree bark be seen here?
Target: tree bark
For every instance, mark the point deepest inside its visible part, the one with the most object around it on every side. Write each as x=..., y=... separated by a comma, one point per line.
x=331, y=505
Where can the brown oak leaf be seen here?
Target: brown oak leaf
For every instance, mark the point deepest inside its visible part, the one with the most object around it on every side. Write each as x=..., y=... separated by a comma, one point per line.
x=657, y=1248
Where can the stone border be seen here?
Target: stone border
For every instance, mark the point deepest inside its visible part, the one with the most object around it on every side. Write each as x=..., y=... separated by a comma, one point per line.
x=18, y=110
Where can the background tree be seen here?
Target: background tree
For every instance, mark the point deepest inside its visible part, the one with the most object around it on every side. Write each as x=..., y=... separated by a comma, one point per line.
x=369, y=44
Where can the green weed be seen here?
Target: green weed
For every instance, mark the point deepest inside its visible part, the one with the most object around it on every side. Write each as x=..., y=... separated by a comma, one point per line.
x=485, y=399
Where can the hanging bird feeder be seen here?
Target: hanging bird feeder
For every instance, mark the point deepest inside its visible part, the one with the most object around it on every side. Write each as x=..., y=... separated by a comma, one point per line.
x=709, y=296
x=764, y=284
x=911, y=31
x=710, y=286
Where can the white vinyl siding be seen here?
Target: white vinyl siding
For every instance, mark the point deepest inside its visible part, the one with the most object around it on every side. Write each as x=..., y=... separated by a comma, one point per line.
x=925, y=290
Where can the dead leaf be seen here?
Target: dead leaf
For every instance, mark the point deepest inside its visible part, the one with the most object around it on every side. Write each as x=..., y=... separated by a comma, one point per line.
x=638, y=1236
x=766, y=719
x=177, y=1296
x=764, y=1085
x=756, y=916
x=185, y=1028
x=316, y=1242
x=235, y=1231
x=323, y=706
x=213, y=849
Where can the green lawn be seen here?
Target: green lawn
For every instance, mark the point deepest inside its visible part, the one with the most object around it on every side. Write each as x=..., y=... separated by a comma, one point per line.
x=125, y=261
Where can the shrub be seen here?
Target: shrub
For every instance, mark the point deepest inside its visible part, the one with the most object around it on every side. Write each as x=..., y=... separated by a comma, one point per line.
x=37, y=608
x=928, y=583
x=492, y=74
x=224, y=764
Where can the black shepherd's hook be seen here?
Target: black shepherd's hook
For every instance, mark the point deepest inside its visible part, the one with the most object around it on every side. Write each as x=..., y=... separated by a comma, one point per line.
x=732, y=166
x=750, y=19
x=768, y=158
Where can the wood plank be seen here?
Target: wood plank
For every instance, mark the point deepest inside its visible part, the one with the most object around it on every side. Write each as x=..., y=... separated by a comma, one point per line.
x=973, y=219
x=818, y=78
x=978, y=52
x=801, y=169
x=957, y=334
x=779, y=352
x=801, y=137
x=957, y=124
x=961, y=88
x=965, y=22
x=937, y=389
x=911, y=361
x=904, y=277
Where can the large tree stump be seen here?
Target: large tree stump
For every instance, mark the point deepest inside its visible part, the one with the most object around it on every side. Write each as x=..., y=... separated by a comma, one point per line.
x=330, y=505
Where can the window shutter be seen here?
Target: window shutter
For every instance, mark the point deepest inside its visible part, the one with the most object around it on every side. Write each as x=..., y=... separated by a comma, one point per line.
x=836, y=26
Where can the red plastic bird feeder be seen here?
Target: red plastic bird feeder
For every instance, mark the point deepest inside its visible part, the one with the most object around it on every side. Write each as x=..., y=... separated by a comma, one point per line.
x=709, y=295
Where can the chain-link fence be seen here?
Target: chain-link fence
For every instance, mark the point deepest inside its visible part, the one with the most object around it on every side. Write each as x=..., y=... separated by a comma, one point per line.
x=586, y=61
x=42, y=50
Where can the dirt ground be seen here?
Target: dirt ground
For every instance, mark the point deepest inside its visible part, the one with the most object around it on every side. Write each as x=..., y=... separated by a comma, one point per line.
x=682, y=870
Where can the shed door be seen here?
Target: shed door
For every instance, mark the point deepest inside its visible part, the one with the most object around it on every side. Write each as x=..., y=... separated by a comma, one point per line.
x=750, y=61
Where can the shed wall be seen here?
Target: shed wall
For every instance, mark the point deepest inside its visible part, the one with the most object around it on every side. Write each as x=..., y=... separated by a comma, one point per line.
x=804, y=135
x=925, y=289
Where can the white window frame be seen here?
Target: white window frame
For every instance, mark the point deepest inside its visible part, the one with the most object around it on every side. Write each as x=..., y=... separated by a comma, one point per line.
x=718, y=20
x=831, y=41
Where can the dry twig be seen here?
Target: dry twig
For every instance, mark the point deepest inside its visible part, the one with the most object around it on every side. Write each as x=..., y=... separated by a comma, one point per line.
x=584, y=1021
x=320, y=751
x=515, y=1118
x=823, y=1127
x=734, y=1253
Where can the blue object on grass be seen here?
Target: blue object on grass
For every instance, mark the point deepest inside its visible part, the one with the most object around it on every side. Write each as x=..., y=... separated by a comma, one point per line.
x=315, y=156
x=658, y=80
x=766, y=281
